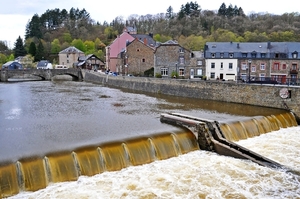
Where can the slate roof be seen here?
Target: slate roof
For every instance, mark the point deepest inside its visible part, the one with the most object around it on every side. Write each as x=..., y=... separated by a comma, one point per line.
x=70, y=49
x=142, y=37
x=252, y=47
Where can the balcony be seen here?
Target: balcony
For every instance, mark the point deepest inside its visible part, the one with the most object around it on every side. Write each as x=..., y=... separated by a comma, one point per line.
x=293, y=71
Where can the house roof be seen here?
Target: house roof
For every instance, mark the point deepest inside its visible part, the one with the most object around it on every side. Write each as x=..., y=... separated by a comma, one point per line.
x=259, y=47
x=83, y=59
x=42, y=63
x=119, y=44
x=147, y=39
x=70, y=49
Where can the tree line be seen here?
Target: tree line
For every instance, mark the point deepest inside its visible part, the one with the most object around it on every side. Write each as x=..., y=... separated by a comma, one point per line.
x=192, y=27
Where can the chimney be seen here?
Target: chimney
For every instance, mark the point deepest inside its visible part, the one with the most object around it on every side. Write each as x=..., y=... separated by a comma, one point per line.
x=145, y=41
x=238, y=45
x=269, y=44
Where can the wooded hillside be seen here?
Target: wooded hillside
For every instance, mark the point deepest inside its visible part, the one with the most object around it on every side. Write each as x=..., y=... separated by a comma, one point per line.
x=190, y=26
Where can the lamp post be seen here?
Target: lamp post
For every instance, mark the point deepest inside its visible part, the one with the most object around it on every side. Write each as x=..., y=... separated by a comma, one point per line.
x=176, y=69
x=249, y=68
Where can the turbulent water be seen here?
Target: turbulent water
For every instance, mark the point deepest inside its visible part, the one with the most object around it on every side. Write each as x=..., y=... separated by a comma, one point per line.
x=198, y=174
x=38, y=117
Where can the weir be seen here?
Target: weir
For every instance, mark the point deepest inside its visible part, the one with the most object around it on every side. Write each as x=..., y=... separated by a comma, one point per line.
x=34, y=173
x=219, y=137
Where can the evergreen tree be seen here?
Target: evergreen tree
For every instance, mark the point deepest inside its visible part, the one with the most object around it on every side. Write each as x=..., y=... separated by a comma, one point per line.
x=40, y=52
x=19, y=49
x=33, y=28
x=32, y=49
x=222, y=10
x=170, y=13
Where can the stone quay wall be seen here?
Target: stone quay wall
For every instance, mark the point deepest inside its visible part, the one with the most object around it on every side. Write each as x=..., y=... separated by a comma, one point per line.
x=243, y=93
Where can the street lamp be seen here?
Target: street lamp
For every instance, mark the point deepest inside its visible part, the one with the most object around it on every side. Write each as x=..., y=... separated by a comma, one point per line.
x=249, y=68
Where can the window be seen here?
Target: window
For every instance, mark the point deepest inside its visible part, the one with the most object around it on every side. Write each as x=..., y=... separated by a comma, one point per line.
x=295, y=55
x=294, y=66
x=212, y=75
x=230, y=66
x=164, y=71
x=212, y=65
x=199, y=71
x=67, y=61
x=253, y=55
x=222, y=55
x=181, y=60
x=181, y=50
x=244, y=66
x=284, y=66
x=67, y=55
x=244, y=55
x=262, y=77
x=138, y=50
x=262, y=66
x=276, y=66
x=181, y=71
x=230, y=55
x=143, y=60
x=199, y=62
x=263, y=55
x=213, y=55
x=253, y=68
x=221, y=65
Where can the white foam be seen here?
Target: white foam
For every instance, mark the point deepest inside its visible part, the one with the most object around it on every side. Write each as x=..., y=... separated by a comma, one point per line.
x=198, y=174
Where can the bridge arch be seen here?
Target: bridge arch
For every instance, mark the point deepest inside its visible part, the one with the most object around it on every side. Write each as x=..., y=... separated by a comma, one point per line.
x=44, y=74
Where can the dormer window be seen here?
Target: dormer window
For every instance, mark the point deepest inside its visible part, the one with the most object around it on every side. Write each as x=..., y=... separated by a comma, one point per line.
x=213, y=55
x=230, y=55
x=244, y=55
x=295, y=55
x=222, y=55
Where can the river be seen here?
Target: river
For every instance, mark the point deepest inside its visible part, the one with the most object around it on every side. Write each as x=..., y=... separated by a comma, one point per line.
x=39, y=117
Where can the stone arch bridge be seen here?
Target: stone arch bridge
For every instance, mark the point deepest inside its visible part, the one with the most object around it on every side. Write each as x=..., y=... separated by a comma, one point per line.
x=45, y=74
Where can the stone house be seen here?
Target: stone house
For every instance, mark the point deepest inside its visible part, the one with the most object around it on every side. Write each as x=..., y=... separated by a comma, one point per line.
x=91, y=62
x=114, y=50
x=253, y=61
x=170, y=59
x=139, y=57
x=69, y=56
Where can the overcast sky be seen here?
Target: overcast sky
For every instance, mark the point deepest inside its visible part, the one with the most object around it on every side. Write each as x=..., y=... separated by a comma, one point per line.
x=15, y=14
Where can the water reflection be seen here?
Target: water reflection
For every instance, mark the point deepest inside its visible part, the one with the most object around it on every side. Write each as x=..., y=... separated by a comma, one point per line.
x=62, y=115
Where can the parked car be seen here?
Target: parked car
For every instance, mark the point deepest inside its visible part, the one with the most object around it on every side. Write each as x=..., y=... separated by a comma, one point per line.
x=12, y=65
x=44, y=64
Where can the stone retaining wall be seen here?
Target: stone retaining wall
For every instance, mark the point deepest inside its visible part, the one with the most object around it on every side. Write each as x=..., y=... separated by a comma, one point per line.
x=252, y=94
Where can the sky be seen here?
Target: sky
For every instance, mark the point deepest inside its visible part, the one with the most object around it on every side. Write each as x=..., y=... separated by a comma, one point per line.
x=15, y=15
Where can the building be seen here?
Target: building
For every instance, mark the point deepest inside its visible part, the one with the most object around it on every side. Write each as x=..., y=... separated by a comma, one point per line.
x=171, y=59
x=253, y=61
x=139, y=57
x=69, y=57
x=91, y=62
x=115, y=52
x=12, y=65
x=113, y=56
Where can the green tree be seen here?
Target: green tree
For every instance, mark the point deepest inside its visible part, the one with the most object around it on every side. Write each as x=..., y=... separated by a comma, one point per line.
x=32, y=49
x=3, y=58
x=55, y=46
x=40, y=52
x=170, y=13
x=78, y=43
x=19, y=49
x=33, y=28
x=89, y=47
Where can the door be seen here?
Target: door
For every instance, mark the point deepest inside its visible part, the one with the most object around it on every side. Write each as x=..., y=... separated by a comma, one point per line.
x=192, y=73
